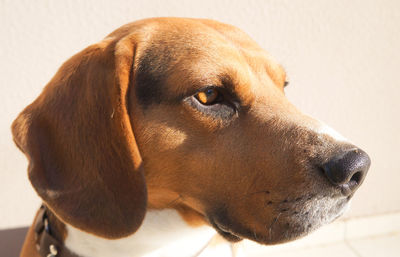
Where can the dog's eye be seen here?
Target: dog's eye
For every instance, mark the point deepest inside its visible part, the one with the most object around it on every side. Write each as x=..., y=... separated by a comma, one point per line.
x=285, y=84
x=213, y=101
x=208, y=97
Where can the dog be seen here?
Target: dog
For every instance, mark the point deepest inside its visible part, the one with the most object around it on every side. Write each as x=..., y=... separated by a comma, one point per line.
x=170, y=133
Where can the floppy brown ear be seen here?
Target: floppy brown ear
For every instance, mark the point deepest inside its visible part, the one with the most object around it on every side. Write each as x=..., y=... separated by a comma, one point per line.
x=83, y=159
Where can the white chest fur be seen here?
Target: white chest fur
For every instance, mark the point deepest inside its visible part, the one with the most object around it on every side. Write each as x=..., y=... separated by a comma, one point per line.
x=162, y=234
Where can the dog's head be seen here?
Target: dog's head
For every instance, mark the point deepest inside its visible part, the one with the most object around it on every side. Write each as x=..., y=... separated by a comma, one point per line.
x=185, y=114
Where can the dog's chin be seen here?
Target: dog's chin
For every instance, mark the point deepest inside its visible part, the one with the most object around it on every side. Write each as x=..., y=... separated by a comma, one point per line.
x=290, y=228
x=224, y=231
x=228, y=235
x=283, y=227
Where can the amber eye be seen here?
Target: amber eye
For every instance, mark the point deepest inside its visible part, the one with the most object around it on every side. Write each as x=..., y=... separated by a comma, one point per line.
x=208, y=97
x=285, y=84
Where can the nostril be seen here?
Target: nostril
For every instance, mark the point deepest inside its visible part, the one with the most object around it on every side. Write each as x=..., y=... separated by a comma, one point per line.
x=356, y=178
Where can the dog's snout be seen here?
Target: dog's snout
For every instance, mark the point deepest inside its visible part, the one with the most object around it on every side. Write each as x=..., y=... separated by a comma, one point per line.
x=347, y=169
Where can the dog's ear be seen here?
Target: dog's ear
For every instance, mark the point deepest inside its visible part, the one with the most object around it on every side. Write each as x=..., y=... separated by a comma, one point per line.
x=83, y=159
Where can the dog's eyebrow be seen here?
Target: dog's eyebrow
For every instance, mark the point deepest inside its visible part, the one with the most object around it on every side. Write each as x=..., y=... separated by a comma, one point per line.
x=149, y=78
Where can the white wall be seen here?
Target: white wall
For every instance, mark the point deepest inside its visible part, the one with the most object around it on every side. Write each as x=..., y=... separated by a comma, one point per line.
x=342, y=57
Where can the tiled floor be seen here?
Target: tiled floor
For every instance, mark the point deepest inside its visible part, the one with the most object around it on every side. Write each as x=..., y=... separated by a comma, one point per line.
x=335, y=250
x=383, y=246
x=387, y=246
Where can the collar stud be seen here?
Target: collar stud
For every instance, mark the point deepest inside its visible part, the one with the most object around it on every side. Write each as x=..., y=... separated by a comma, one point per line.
x=53, y=251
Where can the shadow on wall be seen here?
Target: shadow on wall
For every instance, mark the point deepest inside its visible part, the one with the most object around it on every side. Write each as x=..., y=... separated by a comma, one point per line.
x=11, y=241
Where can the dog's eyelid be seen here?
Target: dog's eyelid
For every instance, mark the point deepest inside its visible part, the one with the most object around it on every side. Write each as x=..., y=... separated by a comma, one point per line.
x=227, y=95
x=222, y=91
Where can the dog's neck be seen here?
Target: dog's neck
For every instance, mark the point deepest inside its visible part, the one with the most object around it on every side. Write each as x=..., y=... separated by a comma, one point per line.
x=163, y=233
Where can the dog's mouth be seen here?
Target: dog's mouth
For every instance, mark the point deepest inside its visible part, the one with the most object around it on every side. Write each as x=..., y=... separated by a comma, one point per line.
x=225, y=232
x=281, y=226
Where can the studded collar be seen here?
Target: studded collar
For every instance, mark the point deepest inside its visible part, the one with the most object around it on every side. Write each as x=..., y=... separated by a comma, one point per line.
x=48, y=240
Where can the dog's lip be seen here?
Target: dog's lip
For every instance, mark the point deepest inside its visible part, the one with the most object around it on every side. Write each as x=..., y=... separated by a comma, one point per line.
x=237, y=232
x=224, y=231
x=230, y=236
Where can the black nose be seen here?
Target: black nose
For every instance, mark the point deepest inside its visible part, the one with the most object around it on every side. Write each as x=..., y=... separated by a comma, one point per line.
x=347, y=169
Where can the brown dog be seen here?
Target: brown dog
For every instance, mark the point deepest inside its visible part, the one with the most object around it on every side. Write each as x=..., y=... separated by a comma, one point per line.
x=169, y=127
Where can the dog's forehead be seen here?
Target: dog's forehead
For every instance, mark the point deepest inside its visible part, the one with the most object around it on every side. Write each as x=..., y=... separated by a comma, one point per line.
x=191, y=53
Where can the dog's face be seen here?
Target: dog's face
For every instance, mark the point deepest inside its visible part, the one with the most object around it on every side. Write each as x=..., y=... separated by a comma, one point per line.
x=218, y=138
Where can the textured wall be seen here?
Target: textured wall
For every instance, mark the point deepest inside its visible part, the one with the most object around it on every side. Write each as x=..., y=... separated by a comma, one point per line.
x=342, y=58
